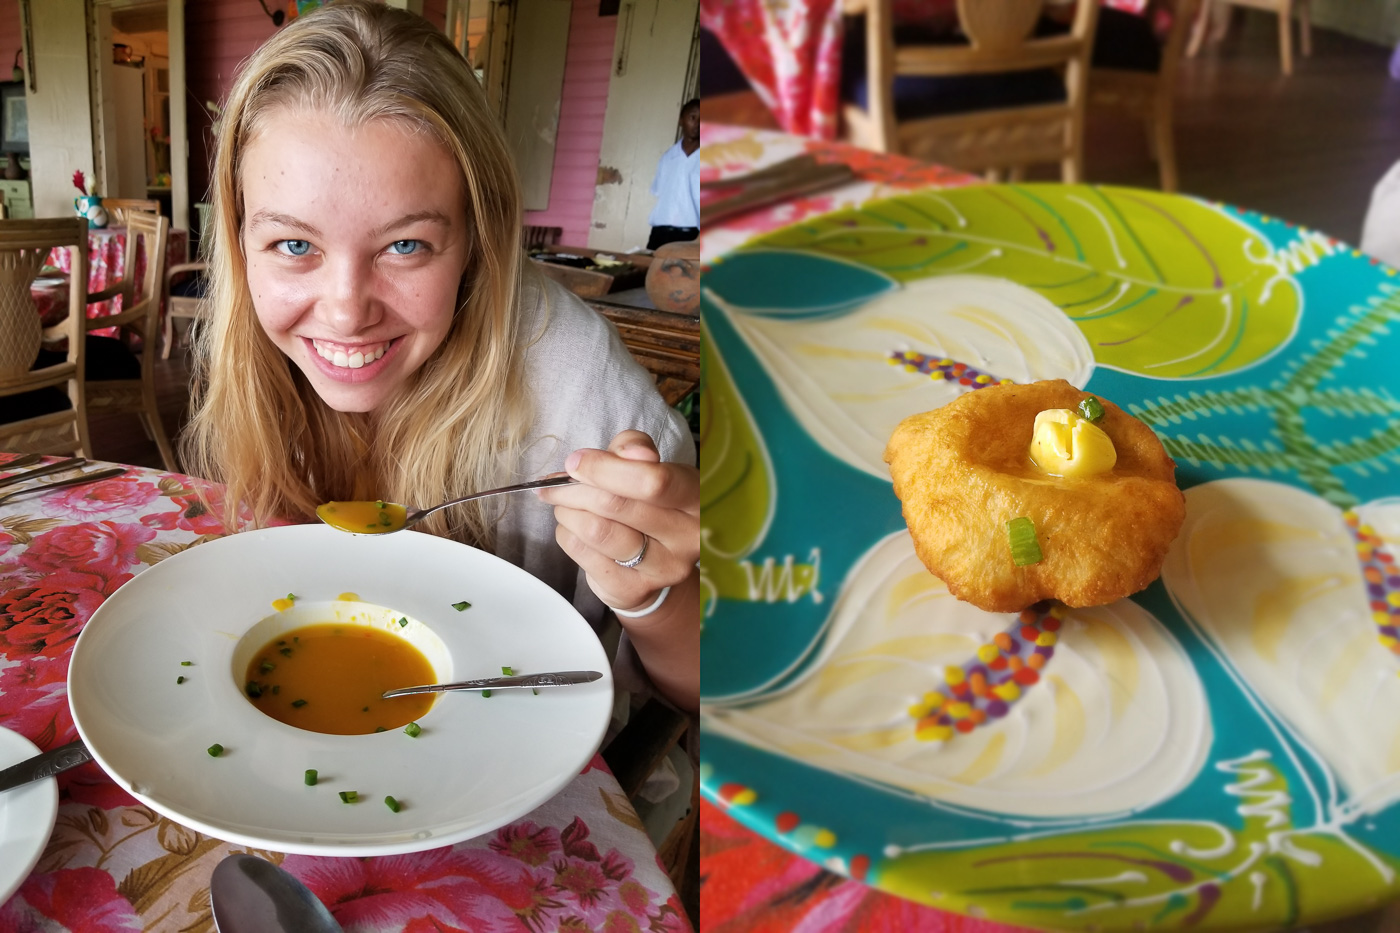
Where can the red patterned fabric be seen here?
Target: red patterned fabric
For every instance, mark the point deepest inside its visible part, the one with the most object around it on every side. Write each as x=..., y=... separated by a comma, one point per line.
x=790, y=51
x=106, y=265
x=750, y=885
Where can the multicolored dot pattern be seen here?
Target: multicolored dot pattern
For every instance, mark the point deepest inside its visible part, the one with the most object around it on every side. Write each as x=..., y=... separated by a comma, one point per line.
x=983, y=689
x=944, y=369
x=1382, y=581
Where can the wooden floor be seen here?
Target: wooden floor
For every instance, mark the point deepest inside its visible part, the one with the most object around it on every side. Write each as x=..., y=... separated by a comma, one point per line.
x=1307, y=148
x=121, y=438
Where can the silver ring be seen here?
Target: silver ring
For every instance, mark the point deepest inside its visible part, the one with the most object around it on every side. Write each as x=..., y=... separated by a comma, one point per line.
x=634, y=561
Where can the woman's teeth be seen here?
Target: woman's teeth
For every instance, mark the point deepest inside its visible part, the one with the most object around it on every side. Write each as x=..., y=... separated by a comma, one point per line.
x=352, y=360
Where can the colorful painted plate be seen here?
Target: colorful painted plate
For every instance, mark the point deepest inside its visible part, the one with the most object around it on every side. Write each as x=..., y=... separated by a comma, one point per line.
x=1220, y=751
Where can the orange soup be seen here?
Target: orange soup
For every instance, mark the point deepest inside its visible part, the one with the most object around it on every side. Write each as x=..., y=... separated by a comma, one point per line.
x=364, y=518
x=330, y=677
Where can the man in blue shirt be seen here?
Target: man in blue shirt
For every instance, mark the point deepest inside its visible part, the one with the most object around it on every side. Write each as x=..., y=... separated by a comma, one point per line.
x=677, y=185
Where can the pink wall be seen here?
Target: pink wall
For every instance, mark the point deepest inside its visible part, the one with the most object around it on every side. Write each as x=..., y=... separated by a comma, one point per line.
x=587, y=68
x=219, y=35
x=9, y=37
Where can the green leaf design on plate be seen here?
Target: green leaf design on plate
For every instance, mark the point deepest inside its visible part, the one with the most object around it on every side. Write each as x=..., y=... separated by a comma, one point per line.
x=736, y=495
x=1120, y=263
x=1164, y=875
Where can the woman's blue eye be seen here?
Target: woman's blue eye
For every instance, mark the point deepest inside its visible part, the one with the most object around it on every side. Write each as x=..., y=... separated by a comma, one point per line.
x=295, y=247
x=405, y=247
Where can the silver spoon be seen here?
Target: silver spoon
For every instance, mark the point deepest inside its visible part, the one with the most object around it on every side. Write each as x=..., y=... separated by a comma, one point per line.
x=555, y=679
x=382, y=518
x=249, y=895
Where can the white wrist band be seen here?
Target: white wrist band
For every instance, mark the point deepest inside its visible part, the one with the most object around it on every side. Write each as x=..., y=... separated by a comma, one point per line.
x=637, y=614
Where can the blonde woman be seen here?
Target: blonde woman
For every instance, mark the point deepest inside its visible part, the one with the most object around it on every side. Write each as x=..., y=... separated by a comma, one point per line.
x=378, y=334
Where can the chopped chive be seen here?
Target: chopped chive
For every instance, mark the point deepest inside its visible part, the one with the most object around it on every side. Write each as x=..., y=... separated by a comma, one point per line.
x=486, y=693
x=1091, y=408
x=186, y=663
x=380, y=729
x=310, y=777
x=413, y=729
x=298, y=703
x=285, y=652
x=281, y=641
x=535, y=691
x=384, y=520
x=372, y=526
x=292, y=597
x=1020, y=535
x=254, y=689
x=349, y=796
x=392, y=804
x=267, y=667
x=179, y=680
x=276, y=689
x=462, y=605
x=379, y=503
x=365, y=710
x=507, y=670
x=403, y=622
x=215, y=750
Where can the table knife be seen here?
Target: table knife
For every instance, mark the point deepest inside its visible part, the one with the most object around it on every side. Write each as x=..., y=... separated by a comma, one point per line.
x=45, y=765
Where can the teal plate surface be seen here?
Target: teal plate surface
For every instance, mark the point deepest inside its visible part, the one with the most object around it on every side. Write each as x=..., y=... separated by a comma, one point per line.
x=1222, y=750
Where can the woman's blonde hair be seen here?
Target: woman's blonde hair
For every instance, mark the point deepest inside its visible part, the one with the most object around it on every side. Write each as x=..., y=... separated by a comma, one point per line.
x=257, y=424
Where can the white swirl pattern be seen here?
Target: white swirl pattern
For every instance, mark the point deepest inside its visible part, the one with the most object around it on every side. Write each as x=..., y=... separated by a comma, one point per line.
x=834, y=373
x=1118, y=681
x=1270, y=573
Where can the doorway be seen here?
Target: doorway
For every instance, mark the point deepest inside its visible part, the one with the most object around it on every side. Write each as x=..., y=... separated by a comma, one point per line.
x=137, y=55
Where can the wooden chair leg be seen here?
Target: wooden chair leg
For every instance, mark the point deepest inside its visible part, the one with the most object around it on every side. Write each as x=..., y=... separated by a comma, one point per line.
x=1305, y=26
x=1165, y=145
x=1200, y=28
x=167, y=332
x=1285, y=37
x=154, y=427
x=1072, y=168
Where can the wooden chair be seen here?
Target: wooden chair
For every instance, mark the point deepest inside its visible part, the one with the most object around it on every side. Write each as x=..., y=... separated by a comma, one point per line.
x=118, y=209
x=1284, y=9
x=186, y=296
x=1134, y=73
x=37, y=415
x=995, y=103
x=116, y=380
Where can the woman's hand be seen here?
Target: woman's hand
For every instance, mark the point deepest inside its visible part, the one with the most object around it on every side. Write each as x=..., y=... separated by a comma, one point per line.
x=626, y=498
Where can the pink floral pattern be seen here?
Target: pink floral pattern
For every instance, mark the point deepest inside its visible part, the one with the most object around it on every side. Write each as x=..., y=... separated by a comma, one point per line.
x=580, y=862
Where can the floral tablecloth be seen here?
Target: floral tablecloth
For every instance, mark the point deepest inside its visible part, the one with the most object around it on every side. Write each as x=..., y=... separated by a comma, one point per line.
x=580, y=862
x=106, y=265
x=790, y=51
